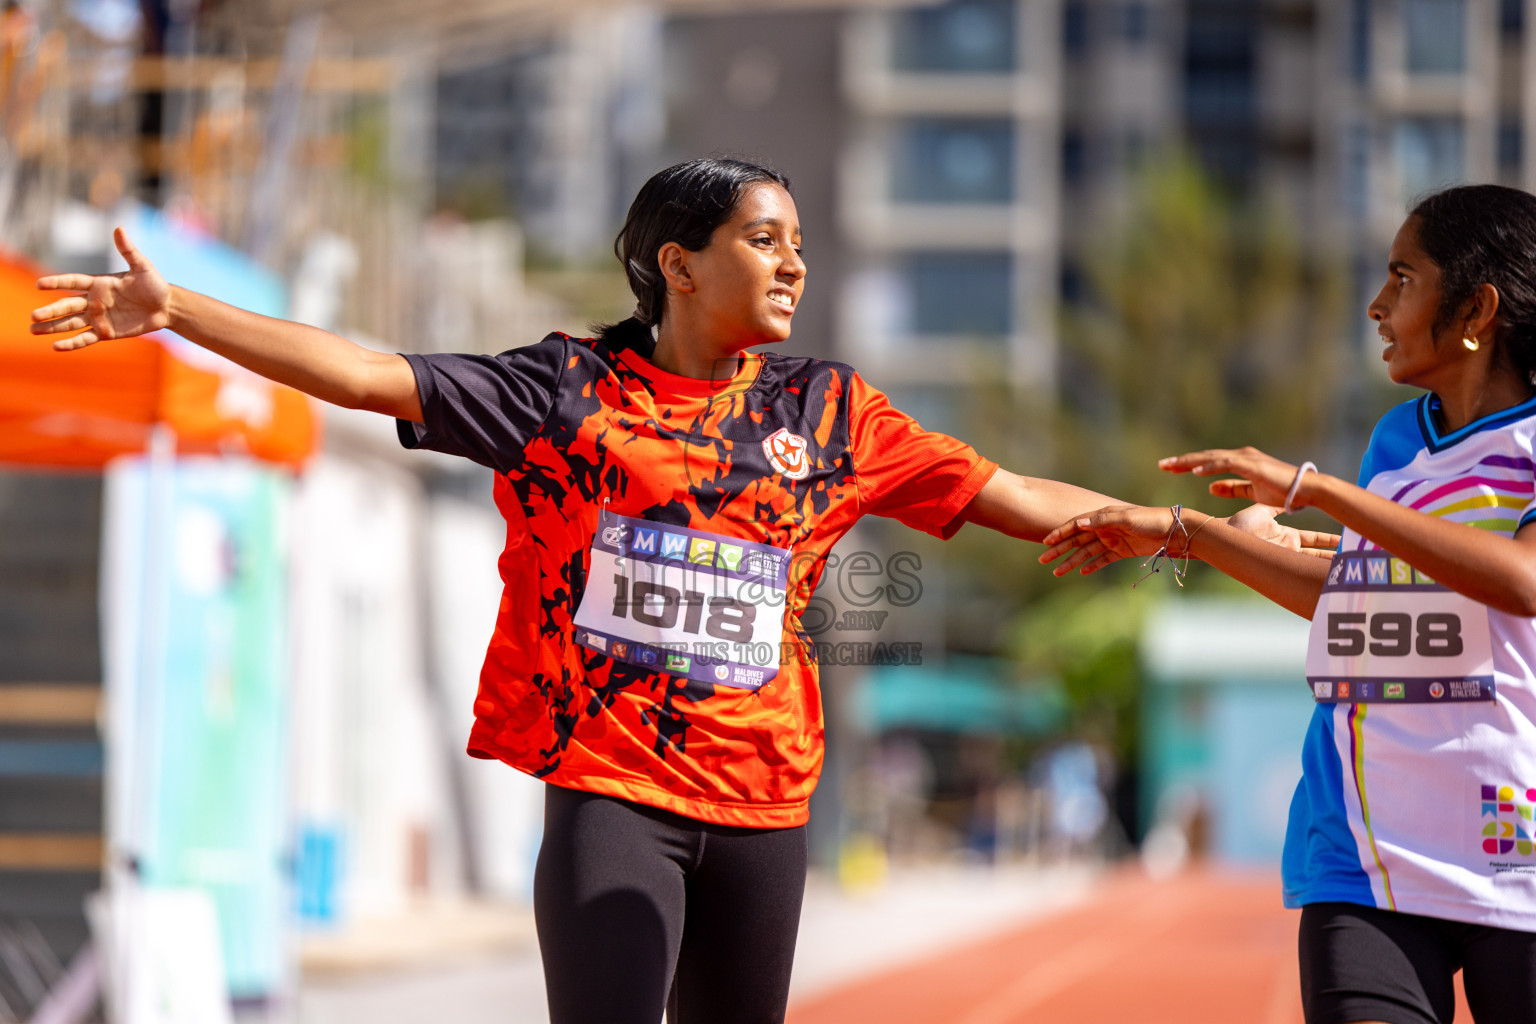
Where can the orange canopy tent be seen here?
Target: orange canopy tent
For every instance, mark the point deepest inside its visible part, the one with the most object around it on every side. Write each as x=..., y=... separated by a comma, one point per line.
x=81, y=409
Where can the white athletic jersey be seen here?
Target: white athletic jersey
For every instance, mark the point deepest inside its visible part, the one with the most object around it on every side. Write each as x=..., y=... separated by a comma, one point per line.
x=1419, y=768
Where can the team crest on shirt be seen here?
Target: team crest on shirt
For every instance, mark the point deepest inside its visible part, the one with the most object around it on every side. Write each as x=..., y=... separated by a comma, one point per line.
x=787, y=453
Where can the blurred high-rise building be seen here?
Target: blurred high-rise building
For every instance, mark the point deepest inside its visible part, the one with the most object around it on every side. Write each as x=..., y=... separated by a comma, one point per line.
x=948, y=191
x=1415, y=95
x=951, y=159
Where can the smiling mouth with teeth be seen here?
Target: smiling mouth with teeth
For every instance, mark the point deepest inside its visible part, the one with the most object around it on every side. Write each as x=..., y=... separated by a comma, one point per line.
x=784, y=300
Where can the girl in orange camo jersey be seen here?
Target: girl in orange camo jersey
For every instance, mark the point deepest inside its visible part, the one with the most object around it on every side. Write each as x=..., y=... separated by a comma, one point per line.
x=670, y=496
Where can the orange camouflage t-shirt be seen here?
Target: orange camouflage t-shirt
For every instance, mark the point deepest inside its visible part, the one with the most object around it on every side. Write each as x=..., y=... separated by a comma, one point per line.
x=603, y=459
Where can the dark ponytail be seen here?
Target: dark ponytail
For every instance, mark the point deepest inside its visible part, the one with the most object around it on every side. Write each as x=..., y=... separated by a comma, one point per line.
x=682, y=204
x=1480, y=234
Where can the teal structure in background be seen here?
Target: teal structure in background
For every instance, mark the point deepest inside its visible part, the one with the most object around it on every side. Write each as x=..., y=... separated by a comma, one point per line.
x=966, y=695
x=200, y=663
x=199, y=612
x=1225, y=708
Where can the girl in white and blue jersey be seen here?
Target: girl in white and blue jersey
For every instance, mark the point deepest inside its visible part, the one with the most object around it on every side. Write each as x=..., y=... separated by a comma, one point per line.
x=1410, y=842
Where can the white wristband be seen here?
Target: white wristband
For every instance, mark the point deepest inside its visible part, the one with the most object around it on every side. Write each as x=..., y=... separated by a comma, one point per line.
x=1290, y=495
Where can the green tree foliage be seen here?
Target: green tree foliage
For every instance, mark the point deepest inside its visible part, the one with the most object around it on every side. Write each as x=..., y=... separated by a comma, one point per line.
x=1087, y=638
x=1205, y=323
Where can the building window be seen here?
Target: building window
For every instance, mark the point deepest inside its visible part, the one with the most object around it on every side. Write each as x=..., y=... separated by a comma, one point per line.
x=1221, y=68
x=1074, y=156
x=1074, y=283
x=1511, y=143
x=1436, y=33
x=1360, y=39
x=1429, y=153
x=961, y=294
x=962, y=36
x=1357, y=170
x=1136, y=22
x=946, y=160
x=1074, y=28
x=1512, y=17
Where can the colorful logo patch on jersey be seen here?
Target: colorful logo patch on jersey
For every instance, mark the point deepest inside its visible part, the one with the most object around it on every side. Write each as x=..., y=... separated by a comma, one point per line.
x=1324, y=691
x=620, y=650
x=677, y=663
x=1393, y=691
x=1510, y=830
x=786, y=453
x=1343, y=691
x=1437, y=690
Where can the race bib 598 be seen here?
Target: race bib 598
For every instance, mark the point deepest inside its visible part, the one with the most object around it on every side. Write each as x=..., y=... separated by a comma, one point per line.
x=686, y=602
x=1385, y=632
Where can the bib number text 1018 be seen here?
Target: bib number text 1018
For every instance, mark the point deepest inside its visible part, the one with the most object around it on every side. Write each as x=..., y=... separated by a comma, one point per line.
x=658, y=605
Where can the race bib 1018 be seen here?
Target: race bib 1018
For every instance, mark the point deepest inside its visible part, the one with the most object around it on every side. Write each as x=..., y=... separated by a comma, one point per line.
x=685, y=602
x=1386, y=632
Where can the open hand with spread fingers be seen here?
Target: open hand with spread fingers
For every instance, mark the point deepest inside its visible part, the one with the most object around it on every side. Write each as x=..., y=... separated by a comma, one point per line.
x=1263, y=478
x=134, y=302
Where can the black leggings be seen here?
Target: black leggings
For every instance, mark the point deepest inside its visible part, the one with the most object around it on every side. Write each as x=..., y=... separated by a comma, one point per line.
x=628, y=897
x=1360, y=963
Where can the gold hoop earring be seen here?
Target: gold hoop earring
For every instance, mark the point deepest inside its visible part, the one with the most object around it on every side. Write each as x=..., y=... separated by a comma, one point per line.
x=1471, y=344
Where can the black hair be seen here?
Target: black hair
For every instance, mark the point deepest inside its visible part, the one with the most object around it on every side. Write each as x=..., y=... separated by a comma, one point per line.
x=1479, y=234
x=682, y=204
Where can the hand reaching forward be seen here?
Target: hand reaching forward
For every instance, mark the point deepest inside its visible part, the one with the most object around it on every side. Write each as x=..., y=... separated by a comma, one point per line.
x=1123, y=531
x=1259, y=520
x=1108, y=535
x=136, y=301
x=1264, y=479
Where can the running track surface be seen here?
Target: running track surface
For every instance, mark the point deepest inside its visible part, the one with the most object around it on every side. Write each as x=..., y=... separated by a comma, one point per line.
x=1202, y=948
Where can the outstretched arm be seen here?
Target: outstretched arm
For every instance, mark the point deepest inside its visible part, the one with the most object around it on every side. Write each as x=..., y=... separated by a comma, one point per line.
x=1032, y=508
x=1028, y=507
x=138, y=301
x=1284, y=568
x=1488, y=567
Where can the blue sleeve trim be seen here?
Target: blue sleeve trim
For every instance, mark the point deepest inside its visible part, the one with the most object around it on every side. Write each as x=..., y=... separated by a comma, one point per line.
x=1396, y=441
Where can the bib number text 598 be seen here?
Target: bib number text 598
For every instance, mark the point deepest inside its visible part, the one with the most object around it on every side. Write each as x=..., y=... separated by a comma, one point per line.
x=1394, y=634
